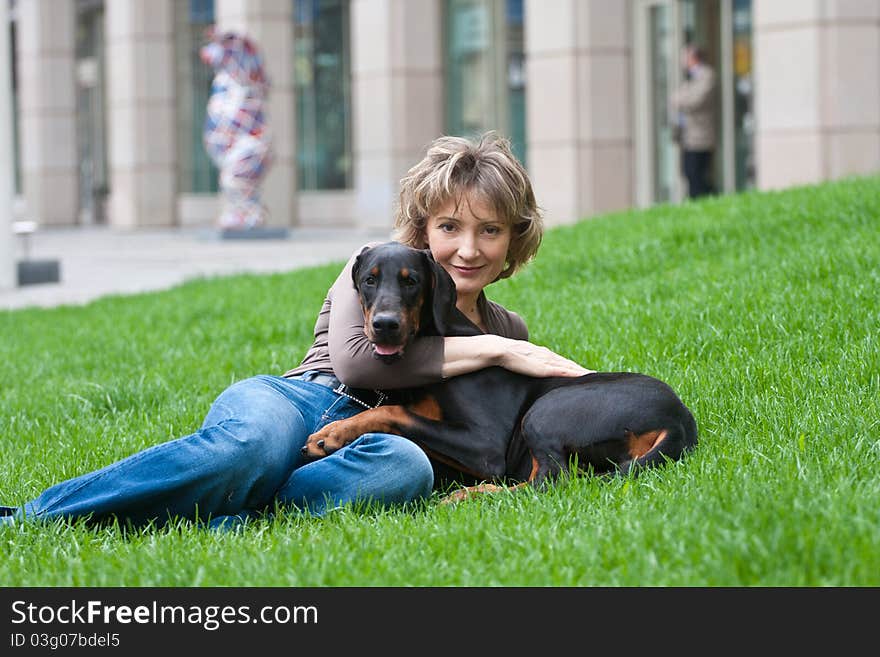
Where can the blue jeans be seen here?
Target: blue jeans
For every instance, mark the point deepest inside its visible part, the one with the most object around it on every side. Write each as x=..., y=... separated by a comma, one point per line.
x=245, y=458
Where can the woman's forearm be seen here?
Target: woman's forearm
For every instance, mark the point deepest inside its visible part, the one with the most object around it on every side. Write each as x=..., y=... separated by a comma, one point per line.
x=471, y=353
x=468, y=354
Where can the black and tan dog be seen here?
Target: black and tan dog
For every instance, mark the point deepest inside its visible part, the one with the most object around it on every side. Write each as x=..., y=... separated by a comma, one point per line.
x=493, y=424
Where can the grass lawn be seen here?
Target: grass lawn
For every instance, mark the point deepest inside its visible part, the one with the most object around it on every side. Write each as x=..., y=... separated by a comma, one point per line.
x=762, y=310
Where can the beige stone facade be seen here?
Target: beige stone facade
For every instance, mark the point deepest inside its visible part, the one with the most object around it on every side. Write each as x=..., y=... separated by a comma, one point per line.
x=578, y=106
x=815, y=71
x=818, y=96
x=47, y=120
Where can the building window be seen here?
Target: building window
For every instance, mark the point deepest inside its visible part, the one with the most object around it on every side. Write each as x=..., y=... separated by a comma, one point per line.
x=743, y=104
x=91, y=142
x=485, y=76
x=196, y=173
x=323, y=94
x=16, y=140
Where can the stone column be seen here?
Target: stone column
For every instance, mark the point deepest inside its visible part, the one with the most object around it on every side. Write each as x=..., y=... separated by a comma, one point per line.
x=817, y=90
x=578, y=81
x=140, y=111
x=397, y=97
x=47, y=112
x=270, y=24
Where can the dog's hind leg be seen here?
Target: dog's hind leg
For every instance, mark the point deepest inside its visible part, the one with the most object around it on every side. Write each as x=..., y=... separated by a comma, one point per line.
x=546, y=466
x=657, y=447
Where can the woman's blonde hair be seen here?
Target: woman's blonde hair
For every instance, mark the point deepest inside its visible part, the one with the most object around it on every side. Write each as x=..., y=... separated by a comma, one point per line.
x=486, y=166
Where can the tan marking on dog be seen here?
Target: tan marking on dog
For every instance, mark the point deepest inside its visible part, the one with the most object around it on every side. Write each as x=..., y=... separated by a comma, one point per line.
x=411, y=318
x=368, y=323
x=534, y=472
x=428, y=408
x=640, y=444
x=384, y=419
x=464, y=493
x=404, y=273
x=393, y=419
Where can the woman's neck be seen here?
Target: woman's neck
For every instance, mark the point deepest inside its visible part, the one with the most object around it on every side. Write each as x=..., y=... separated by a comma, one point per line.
x=470, y=307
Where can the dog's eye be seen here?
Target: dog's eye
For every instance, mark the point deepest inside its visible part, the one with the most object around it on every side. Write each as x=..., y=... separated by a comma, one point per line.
x=370, y=280
x=409, y=282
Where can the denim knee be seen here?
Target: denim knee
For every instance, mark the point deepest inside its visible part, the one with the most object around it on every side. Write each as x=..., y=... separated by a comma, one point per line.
x=414, y=473
x=237, y=398
x=254, y=421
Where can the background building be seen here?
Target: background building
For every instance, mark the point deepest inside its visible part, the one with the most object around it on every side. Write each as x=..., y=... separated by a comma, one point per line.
x=110, y=97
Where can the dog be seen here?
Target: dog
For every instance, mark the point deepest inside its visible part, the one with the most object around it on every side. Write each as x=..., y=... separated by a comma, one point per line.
x=494, y=425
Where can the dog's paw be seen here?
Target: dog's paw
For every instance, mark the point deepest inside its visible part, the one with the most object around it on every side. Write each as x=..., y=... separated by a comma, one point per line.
x=329, y=439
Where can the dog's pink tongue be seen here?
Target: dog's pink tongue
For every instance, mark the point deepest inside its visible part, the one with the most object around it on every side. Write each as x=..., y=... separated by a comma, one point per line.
x=386, y=350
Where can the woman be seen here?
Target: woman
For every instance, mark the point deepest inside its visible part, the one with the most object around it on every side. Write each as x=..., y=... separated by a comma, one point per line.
x=472, y=205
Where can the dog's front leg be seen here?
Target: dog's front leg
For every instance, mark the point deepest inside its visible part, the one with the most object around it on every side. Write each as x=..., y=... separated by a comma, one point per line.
x=338, y=434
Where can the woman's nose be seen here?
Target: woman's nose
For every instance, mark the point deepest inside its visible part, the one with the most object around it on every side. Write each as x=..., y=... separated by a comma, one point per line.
x=468, y=247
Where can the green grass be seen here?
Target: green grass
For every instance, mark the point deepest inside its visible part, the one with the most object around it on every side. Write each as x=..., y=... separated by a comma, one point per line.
x=762, y=310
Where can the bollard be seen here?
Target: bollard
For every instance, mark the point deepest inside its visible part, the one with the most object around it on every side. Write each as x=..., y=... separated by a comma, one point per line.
x=32, y=272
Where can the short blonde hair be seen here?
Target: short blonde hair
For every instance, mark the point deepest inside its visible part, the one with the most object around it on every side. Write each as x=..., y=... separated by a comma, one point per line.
x=486, y=166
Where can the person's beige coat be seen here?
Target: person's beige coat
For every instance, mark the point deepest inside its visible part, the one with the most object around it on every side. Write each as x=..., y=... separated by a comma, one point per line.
x=695, y=99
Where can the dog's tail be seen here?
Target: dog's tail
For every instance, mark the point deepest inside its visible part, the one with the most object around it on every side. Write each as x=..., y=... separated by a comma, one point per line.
x=679, y=439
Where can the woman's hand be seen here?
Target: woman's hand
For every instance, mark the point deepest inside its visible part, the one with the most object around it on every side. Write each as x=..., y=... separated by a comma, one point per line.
x=467, y=354
x=530, y=359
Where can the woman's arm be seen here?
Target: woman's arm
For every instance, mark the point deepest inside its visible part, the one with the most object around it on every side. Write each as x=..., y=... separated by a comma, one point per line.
x=695, y=94
x=467, y=354
x=427, y=359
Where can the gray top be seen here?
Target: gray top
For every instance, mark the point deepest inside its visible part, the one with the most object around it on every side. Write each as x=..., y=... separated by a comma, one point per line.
x=695, y=99
x=342, y=349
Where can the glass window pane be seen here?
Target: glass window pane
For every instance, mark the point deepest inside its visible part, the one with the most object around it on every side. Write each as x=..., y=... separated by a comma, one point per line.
x=485, y=69
x=322, y=90
x=743, y=103
x=16, y=140
x=516, y=79
x=91, y=146
x=196, y=172
x=663, y=148
x=470, y=74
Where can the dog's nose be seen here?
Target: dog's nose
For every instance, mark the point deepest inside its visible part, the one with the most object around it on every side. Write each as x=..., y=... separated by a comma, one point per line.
x=385, y=324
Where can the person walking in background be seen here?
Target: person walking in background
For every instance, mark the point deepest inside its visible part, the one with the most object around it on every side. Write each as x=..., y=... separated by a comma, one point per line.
x=694, y=103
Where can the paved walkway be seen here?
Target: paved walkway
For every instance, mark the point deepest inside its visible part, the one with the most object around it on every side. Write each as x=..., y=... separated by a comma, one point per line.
x=97, y=261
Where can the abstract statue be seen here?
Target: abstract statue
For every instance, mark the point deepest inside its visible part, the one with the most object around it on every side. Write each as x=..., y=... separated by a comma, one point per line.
x=235, y=133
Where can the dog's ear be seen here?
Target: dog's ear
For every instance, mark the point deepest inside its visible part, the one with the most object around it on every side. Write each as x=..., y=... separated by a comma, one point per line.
x=440, y=298
x=356, y=267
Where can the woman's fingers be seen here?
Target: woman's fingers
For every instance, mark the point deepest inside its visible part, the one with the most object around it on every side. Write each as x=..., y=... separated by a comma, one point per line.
x=534, y=360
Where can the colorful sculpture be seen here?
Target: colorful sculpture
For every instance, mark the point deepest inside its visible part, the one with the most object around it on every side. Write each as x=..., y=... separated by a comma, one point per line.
x=235, y=134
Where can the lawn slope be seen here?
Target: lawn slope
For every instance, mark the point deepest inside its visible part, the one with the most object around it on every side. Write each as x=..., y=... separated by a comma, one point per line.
x=760, y=309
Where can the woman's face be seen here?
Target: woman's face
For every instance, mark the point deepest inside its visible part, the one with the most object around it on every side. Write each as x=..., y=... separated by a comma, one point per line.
x=470, y=242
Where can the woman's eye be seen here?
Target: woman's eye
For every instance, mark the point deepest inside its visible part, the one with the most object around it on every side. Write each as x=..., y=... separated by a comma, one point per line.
x=448, y=228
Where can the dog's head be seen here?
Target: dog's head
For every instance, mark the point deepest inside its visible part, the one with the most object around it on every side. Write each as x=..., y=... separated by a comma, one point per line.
x=403, y=293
